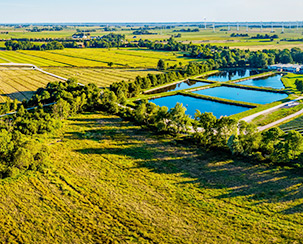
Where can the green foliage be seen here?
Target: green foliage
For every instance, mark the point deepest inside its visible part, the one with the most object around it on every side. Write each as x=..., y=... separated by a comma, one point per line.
x=161, y=65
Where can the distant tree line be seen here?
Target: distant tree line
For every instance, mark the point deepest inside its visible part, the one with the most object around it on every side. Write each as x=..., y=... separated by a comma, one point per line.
x=27, y=45
x=265, y=36
x=40, y=29
x=238, y=35
x=187, y=30
x=143, y=32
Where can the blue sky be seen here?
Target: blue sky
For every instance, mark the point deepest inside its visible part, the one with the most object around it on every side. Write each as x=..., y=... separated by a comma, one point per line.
x=25, y=11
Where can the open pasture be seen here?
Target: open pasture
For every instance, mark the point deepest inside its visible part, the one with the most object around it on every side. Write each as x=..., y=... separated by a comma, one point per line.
x=112, y=182
x=101, y=77
x=20, y=84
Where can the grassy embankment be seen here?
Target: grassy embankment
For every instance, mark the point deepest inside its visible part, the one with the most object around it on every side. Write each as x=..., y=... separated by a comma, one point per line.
x=109, y=180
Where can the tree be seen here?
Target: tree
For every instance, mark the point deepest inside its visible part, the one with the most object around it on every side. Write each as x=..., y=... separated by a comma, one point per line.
x=204, y=127
x=285, y=57
x=161, y=65
x=269, y=139
x=110, y=64
x=61, y=109
x=178, y=120
x=289, y=149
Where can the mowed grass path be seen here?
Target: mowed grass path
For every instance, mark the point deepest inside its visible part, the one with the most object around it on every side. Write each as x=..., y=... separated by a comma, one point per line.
x=101, y=77
x=96, y=57
x=21, y=84
x=110, y=180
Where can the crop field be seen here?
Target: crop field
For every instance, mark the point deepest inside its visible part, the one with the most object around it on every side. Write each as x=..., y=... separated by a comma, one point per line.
x=110, y=181
x=133, y=57
x=101, y=77
x=62, y=59
x=18, y=57
x=136, y=58
x=20, y=84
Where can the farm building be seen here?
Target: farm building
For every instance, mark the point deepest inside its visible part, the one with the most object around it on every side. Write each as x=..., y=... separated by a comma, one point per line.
x=79, y=36
x=294, y=68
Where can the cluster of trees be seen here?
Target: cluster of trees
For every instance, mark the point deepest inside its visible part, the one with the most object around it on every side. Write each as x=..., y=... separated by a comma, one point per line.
x=54, y=45
x=86, y=30
x=132, y=89
x=143, y=32
x=265, y=36
x=20, y=150
x=238, y=35
x=27, y=45
x=40, y=29
x=187, y=30
x=21, y=45
x=108, y=41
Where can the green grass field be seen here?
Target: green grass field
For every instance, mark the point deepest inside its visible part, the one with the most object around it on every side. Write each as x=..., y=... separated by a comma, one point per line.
x=101, y=77
x=20, y=84
x=111, y=181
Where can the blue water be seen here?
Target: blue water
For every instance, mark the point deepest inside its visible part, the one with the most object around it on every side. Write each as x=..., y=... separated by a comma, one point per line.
x=192, y=104
x=271, y=81
x=243, y=95
x=180, y=86
x=228, y=75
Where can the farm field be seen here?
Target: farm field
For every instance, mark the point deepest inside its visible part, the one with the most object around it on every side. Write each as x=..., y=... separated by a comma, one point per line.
x=123, y=57
x=20, y=83
x=136, y=58
x=111, y=181
x=101, y=77
x=18, y=57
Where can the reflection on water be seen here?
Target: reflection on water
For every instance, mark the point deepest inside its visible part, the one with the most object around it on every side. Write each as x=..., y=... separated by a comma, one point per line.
x=273, y=81
x=180, y=86
x=234, y=74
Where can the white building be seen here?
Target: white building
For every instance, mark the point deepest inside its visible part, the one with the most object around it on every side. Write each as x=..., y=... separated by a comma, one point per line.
x=294, y=68
x=79, y=36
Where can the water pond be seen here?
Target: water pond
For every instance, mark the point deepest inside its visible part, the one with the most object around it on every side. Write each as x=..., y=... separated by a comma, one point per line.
x=244, y=95
x=228, y=75
x=180, y=86
x=273, y=81
x=192, y=104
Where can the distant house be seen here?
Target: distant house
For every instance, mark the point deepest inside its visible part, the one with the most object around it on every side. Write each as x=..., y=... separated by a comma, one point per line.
x=294, y=68
x=80, y=36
